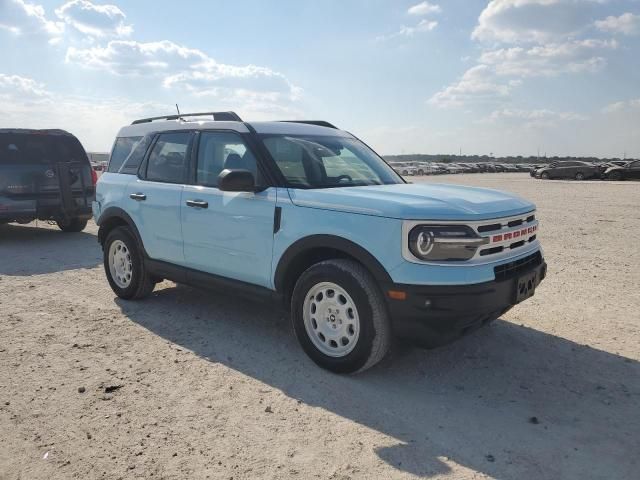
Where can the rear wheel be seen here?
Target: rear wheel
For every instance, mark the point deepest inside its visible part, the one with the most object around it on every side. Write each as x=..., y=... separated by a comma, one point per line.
x=579, y=176
x=339, y=316
x=615, y=176
x=72, y=225
x=124, y=266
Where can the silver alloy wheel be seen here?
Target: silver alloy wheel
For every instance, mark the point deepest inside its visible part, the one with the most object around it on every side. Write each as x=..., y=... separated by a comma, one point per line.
x=120, y=264
x=331, y=319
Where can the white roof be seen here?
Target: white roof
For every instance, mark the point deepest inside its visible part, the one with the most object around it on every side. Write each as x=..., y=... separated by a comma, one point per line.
x=281, y=128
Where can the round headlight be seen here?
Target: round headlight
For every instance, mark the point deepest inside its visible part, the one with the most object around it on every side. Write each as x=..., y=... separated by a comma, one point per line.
x=425, y=242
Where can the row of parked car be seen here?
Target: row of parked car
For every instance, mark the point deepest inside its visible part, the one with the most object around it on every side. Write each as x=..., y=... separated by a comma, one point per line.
x=614, y=170
x=433, y=168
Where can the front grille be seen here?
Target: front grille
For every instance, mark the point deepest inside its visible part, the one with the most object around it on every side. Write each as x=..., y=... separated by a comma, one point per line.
x=513, y=269
x=508, y=234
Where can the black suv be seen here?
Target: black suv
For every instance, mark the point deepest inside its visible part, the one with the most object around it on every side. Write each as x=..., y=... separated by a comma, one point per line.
x=45, y=175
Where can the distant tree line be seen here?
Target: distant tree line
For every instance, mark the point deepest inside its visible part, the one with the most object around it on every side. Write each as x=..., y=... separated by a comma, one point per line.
x=440, y=158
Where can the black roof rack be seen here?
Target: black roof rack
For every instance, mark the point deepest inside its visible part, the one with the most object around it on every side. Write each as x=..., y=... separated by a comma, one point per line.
x=217, y=117
x=320, y=123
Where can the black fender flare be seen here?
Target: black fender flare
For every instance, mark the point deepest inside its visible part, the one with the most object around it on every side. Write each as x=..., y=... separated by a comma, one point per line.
x=334, y=242
x=117, y=215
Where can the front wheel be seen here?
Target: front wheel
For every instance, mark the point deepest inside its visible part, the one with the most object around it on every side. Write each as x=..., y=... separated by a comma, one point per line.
x=615, y=176
x=579, y=176
x=72, y=225
x=339, y=316
x=124, y=266
x=545, y=176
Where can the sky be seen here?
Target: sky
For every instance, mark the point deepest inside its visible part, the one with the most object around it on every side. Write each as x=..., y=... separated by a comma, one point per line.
x=501, y=77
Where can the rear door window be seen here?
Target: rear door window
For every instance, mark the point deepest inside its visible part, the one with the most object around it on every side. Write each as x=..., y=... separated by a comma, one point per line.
x=168, y=157
x=121, y=150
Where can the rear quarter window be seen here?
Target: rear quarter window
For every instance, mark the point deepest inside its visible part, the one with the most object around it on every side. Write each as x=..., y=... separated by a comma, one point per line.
x=121, y=150
x=135, y=158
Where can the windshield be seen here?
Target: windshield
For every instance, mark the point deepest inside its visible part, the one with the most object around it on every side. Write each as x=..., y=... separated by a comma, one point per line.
x=326, y=162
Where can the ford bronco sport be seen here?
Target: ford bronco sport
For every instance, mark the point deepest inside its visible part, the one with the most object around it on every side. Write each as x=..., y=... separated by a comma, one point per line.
x=45, y=175
x=308, y=213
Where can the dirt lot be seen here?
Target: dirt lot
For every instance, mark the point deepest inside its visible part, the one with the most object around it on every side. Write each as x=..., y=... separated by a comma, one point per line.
x=191, y=384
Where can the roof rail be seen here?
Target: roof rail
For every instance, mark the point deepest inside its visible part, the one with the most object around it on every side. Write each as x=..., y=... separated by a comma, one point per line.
x=319, y=123
x=217, y=117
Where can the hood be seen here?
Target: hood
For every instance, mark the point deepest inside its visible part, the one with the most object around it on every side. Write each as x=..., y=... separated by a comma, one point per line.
x=423, y=201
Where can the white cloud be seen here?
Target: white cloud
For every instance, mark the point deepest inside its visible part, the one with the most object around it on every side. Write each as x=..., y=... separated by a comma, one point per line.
x=477, y=85
x=622, y=106
x=95, y=121
x=188, y=69
x=26, y=88
x=540, y=118
x=423, y=26
x=424, y=8
x=22, y=18
x=550, y=59
x=94, y=20
x=128, y=57
x=519, y=21
x=627, y=24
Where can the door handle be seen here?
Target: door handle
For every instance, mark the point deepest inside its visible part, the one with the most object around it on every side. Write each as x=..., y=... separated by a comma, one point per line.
x=138, y=196
x=197, y=204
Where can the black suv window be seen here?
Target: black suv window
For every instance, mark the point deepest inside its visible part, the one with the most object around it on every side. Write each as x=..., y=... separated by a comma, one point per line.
x=121, y=150
x=39, y=148
x=168, y=157
x=220, y=150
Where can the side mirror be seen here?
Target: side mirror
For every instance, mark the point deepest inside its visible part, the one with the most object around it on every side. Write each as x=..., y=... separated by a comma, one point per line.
x=236, y=181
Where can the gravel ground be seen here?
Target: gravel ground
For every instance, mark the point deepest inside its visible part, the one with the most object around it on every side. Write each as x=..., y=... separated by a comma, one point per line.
x=192, y=384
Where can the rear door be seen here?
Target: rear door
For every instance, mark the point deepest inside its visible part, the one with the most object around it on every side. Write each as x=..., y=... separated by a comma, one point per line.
x=229, y=234
x=566, y=170
x=153, y=198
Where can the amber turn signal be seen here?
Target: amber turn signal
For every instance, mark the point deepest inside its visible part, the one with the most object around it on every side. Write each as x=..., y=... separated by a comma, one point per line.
x=397, y=295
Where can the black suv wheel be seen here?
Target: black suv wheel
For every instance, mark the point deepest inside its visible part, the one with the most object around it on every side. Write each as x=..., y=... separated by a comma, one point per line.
x=124, y=266
x=339, y=316
x=72, y=225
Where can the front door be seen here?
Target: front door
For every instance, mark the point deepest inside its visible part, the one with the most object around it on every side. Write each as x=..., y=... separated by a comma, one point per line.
x=227, y=233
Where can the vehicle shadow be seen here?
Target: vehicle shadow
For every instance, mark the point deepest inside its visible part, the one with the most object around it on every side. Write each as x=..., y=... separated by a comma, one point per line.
x=40, y=250
x=508, y=401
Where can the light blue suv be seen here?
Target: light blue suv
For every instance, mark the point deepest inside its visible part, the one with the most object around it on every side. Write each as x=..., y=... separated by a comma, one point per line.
x=309, y=214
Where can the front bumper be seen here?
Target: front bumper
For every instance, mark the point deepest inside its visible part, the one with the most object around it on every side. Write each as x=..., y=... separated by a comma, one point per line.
x=431, y=316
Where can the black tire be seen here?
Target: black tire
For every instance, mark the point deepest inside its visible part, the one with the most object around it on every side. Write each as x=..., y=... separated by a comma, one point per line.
x=580, y=176
x=72, y=225
x=421, y=172
x=374, y=337
x=615, y=176
x=545, y=176
x=141, y=284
